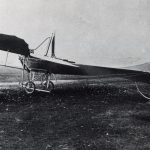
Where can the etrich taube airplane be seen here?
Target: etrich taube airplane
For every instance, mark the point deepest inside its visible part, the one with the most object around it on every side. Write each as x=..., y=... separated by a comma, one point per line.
x=47, y=67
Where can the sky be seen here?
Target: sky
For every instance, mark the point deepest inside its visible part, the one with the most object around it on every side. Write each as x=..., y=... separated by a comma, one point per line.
x=113, y=33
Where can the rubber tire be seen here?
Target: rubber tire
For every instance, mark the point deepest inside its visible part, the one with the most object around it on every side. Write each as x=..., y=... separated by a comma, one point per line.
x=51, y=86
x=28, y=90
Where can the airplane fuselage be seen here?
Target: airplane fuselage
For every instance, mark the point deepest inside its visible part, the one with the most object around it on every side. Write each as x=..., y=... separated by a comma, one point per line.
x=57, y=66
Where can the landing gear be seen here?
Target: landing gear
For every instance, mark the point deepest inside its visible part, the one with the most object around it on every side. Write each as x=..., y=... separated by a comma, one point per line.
x=40, y=82
x=46, y=82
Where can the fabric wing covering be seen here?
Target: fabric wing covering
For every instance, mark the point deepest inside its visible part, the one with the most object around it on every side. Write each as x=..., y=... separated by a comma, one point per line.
x=13, y=44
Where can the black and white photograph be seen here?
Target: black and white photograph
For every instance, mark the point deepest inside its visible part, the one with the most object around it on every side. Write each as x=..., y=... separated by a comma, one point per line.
x=75, y=75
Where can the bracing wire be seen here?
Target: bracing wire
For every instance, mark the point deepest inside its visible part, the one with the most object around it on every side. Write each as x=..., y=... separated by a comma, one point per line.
x=42, y=43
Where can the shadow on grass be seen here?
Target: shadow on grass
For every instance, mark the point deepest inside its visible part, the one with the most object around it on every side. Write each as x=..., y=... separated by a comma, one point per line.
x=110, y=94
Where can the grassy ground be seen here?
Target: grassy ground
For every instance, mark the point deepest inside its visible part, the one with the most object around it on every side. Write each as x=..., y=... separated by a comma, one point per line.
x=81, y=116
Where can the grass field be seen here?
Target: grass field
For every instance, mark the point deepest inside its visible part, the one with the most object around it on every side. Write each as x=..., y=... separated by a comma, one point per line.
x=79, y=115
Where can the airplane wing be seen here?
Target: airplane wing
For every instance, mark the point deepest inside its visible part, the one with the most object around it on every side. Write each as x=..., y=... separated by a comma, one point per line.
x=13, y=44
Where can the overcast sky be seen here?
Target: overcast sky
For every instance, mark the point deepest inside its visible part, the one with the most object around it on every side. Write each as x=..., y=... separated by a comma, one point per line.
x=99, y=32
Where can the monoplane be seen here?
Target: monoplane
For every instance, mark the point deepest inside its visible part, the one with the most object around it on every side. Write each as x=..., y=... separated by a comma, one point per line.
x=47, y=67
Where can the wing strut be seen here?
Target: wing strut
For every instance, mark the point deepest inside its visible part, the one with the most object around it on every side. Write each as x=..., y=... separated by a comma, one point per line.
x=53, y=45
x=6, y=57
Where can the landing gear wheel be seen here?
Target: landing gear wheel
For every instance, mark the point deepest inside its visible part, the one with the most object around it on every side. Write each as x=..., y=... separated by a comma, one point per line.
x=29, y=87
x=50, y=86
x=141, y=93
